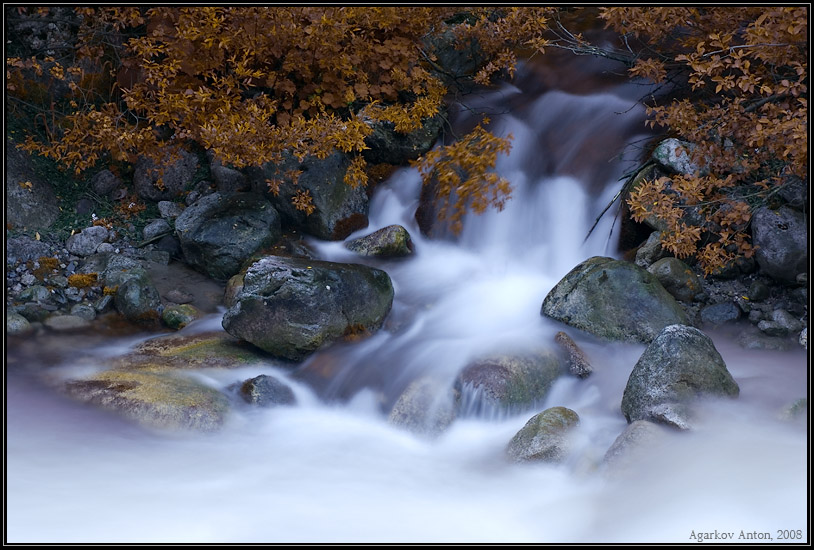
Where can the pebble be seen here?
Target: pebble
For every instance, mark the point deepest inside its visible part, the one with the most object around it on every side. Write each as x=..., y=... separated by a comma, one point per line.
x=28, y=279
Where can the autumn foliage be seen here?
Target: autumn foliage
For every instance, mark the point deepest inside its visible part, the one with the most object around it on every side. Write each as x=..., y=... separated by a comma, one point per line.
x=252, y=84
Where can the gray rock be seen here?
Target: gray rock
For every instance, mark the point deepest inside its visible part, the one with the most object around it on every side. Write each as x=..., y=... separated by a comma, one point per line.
x=754, y=339
x=385, y=145
x=87, y=241
x=772, y=328
x=176, y=176
x=220, y=232
x=83, y=311
x=178, y=316
x=781, y=238
x=66, y=322
x=676, y=155
x=30, y=201
x=339, y=209
x=677, y=278
x=28, y=279
x=227, y=179
x=786, y=320
x=456, y=62
x=794, y=191
x=103, y=303
x=155, y=228
x=154, y=399
x=105, y=182
x=575, y=358
x=804, y=338
x=388, y=242
x=758, y=291
x=16, y=323
x=36, y=293
x=680, y=365
x=427, y=406
x=291, y=307
x=795, y=410
x=105, y=248
x=650, y=251
x=507, y=384
x=614, y=300
x=169, y=210
x=24, y=248
x=718, y=314
x=266, y=391
x=544, y=437
x=632, y=446
x=34, y=313
x=138, y=300
x=179, y=296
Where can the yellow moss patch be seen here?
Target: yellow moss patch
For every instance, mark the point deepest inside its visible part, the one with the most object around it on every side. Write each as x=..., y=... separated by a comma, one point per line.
x=110, y=290
x=82, y=280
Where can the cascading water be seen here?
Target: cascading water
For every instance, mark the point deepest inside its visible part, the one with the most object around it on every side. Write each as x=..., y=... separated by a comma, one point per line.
x=332, y=469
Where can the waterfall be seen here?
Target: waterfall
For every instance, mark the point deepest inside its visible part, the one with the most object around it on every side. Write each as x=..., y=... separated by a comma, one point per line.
x=332, y=469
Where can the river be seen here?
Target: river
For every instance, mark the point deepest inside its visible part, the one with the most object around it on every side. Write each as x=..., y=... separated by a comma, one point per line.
x=332, y=469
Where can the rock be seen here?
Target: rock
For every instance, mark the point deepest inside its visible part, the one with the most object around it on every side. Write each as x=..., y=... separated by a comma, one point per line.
x=786, y=320
x=650, y=251
x=154, y=399
x=339, y=209
x=577, y=362
x=34, y=313
x=771, y=328
x=84, y=311
x=169, y=244
x=105, y=183
x=227, y=179
x=105, y=248
x=632, y=446
x=676, y=155
x=804, y=338
x=138, y=300
x=178, y=316
x=266, y=391
x=16, y=323
x=388, y=242
x=156, y=228
x=116, y=269
x=233, y=287
x=427, y=407
x=176, y=176
x=758, y=291
x=221, y=231
x=614, y=300
x=455, y=61
x=507, y=384
x=385, y=145
x=291, y=307
x=179, y=296
x=544, y=437
x=87, y=241
x=677, y=278
x=103, y=304
x=208, y=350
x=24, y=248
x=794, y=191
x=169, y=210
x=718, y=314
x=28, y=279
x=781, y=239
x=66, y=322
x=795, y=410
x=754, y=339
x=36, y=293
x=30, y=201
x=680, y=365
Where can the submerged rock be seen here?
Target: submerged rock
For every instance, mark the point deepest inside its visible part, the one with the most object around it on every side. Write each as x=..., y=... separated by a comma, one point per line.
x=633, y=446
x=577, y=362
x=154, y=399
x=16, y=323
x=680, y=365
x=427, y=406
x=266, y=391
x=215, y=349
x=291, y=307
x=614, y=300
x=544, y=437
x=506, y=384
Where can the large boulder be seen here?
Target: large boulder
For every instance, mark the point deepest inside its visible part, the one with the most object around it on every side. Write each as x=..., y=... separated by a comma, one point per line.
x=781, y=239
x=614, y=300
x=30, y=201
x=168, y=181
x=506, y=384
x=291, y=307
x=160, y=400
x=544, y=437
x=221, y=231
x=680, y=365
x=338, y=209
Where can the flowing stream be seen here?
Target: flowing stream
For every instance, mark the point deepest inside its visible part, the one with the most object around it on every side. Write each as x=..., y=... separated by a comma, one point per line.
x=332, y=469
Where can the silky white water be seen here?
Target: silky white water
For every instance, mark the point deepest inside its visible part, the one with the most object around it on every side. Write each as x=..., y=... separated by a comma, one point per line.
x=331, y=469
